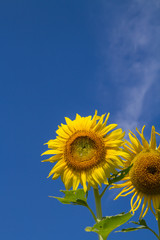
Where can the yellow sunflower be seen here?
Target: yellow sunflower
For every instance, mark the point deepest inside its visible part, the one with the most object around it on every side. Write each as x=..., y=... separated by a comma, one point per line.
x=143, y=180
x=85, y=151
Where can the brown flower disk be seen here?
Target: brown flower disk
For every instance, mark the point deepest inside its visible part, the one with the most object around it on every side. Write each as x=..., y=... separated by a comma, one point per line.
x=84, y=150
x=145, y=173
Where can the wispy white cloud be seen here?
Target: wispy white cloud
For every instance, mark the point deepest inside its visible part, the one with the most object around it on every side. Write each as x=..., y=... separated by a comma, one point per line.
x=134, y=96
x=133, y=58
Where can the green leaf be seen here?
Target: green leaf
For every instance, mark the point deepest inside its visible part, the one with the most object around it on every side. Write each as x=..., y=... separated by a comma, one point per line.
x=142, y=225
x=140, y=222
x=143, y=222
x=77, y=197
x=108, y=224
x=119, y=176
x=132, y=229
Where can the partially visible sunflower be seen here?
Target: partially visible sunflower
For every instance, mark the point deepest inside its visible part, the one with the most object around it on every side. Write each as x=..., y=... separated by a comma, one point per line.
x=143, y=180
x=85, y=151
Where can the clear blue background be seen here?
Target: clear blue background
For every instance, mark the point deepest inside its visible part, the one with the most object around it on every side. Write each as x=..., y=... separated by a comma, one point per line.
x=59, y=58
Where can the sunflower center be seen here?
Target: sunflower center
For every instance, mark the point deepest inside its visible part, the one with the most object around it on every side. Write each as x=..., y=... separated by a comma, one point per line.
x=145, y=173
x=84, y=150
x=152, y=169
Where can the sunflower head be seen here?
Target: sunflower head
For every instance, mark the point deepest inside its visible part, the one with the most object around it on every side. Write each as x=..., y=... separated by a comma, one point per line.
x=145, y=173
x=86, y=151
x=144, y=177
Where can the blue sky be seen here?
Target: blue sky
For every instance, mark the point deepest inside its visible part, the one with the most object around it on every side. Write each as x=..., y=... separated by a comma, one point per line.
x=59, y=58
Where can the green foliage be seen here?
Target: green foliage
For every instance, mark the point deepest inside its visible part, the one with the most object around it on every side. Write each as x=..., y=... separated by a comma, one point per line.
x=108, y=224
x=78, y=197
x=132, y=229
x=119, y=176
x=141, y=225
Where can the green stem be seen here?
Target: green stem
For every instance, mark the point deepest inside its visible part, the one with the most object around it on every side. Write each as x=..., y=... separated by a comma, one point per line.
x=153, y=232
x=92, y=213
x=159, y=221
x=98, y=207
x=101, y=195
x=98, y=204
